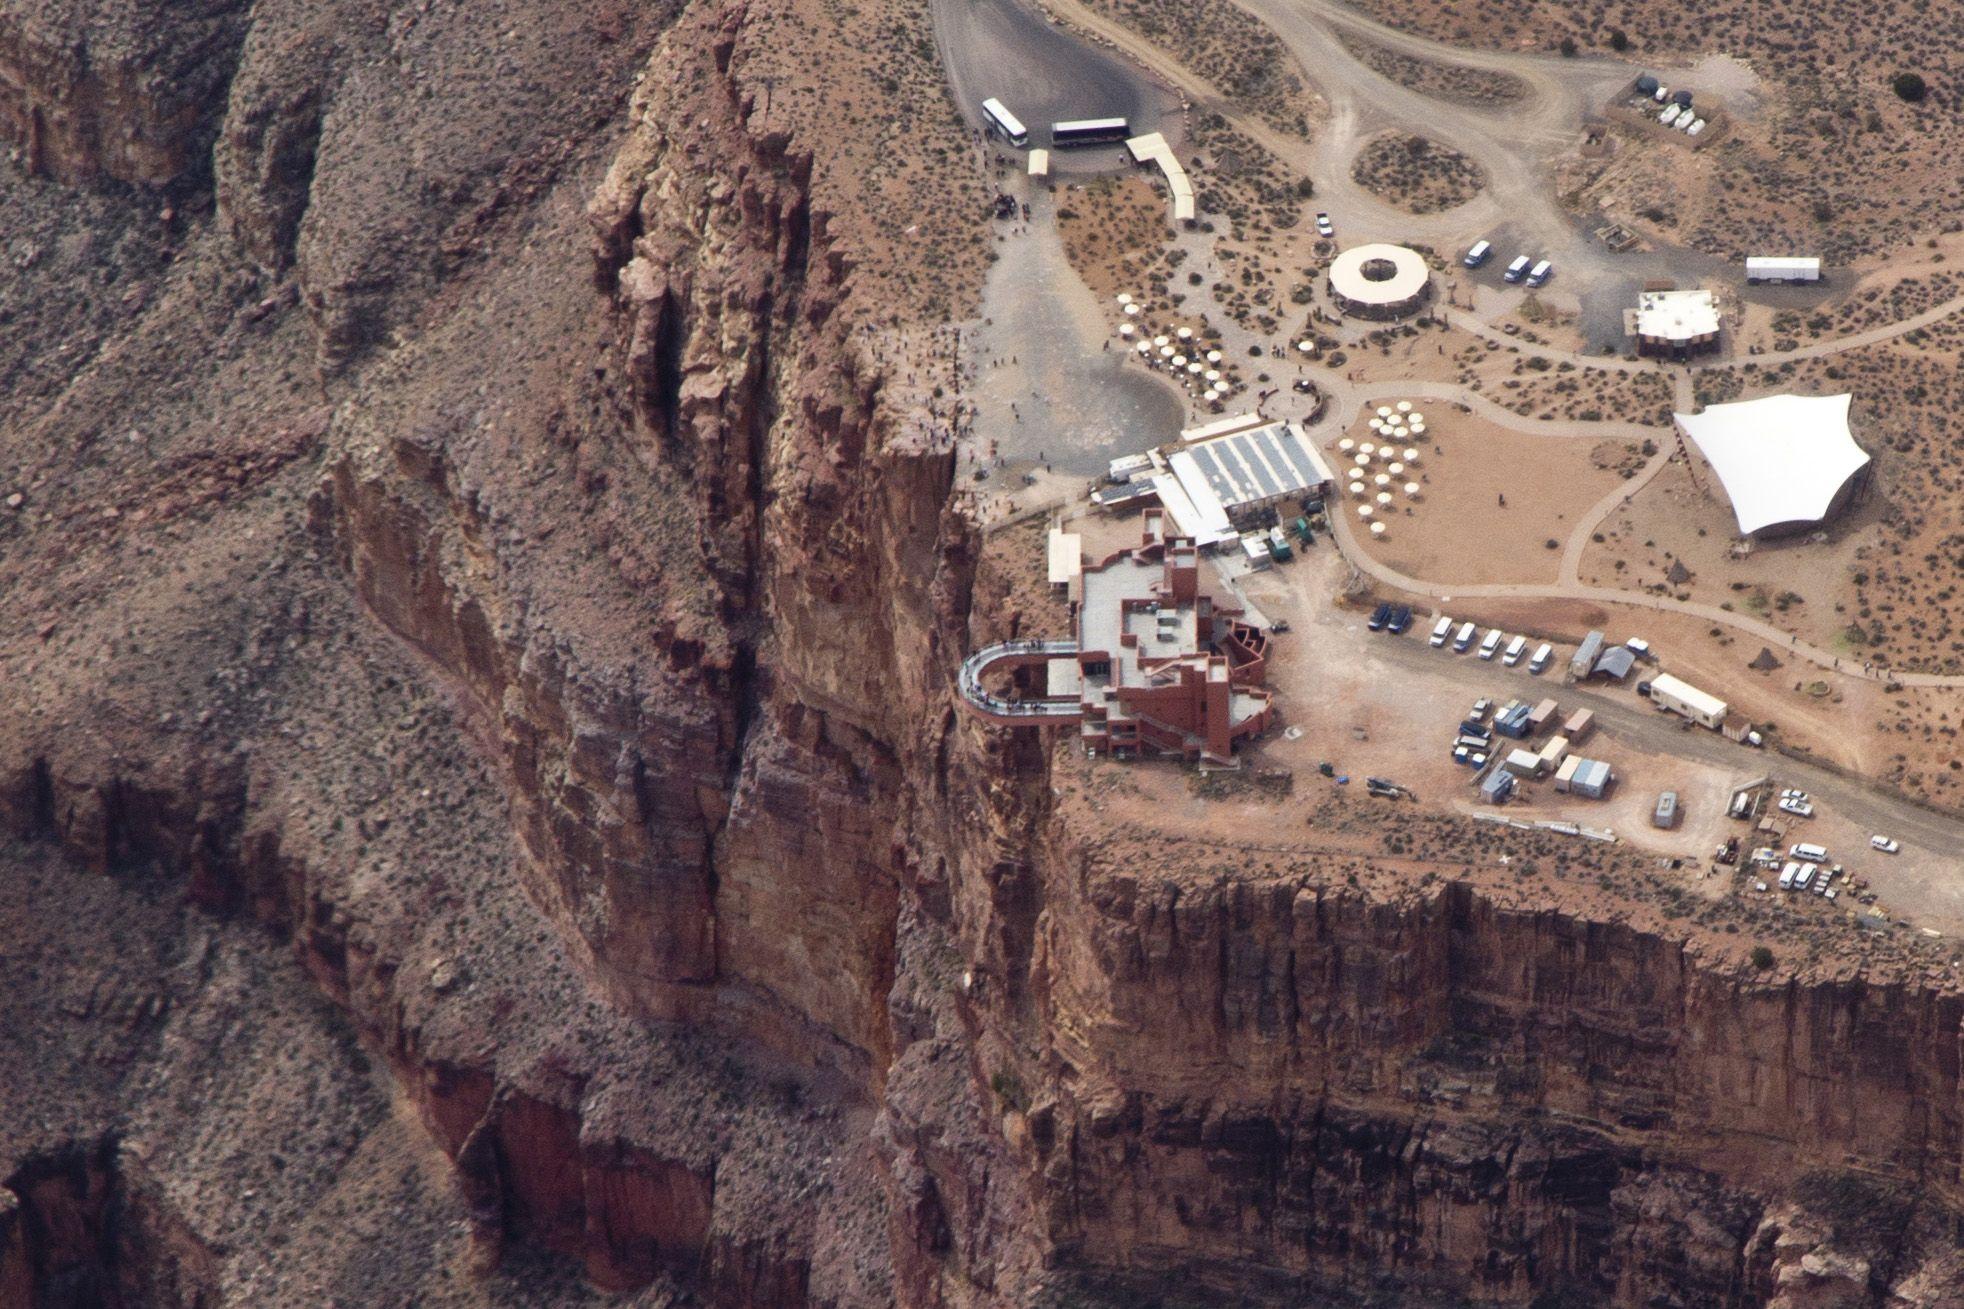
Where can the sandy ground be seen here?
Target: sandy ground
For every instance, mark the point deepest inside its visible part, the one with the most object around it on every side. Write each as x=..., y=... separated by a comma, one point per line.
x=1389, y=706
x=1802, y=585
x=1044, y=386
x=1459, y=531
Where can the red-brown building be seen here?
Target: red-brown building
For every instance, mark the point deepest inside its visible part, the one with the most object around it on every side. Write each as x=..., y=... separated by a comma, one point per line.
x=1157, y=666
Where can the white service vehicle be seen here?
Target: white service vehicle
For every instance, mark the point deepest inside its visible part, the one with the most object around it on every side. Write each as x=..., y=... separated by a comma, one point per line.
x=1515, y=648
x=1885, y=844
x=1491, y=646
x=1542, y=654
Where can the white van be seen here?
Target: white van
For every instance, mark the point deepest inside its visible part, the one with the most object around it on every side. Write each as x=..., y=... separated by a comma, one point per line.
x=1697, y=126
x=1808, y=850
x=1787, y=876
x=1441, y=630
x=1478, y=254
x=1670, y=115
x=1514, y=649
x=1490, y=646
x=1539, y=273
x=1463, y=638
x=1516, y=270
x=1542, y=654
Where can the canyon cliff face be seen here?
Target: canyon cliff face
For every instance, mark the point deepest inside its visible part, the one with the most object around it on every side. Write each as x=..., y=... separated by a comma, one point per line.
x=487, y=800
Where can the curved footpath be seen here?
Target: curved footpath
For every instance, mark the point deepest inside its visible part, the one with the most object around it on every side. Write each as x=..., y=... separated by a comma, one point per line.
x=1771, y=635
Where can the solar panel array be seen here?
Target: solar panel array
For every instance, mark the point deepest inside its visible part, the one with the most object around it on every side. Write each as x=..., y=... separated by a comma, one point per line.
x=1255, y=466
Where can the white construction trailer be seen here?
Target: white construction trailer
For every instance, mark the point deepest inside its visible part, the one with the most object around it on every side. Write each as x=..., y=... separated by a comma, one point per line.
x=1667, y=692
x=1767, y=268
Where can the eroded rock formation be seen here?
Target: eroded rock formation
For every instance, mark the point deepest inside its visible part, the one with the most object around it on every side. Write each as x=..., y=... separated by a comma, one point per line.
x=482, y=607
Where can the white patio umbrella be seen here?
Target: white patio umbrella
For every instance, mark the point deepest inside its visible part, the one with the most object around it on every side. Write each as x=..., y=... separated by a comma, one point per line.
x=1384, y=497
x=1213, y=374
x=1346, y=445
x=1362, y=459
x=1416, y=429
x=1124, y=298
x=1411, y=456
x=1384, y=411
x=1357, y=488
x=1162, y=340
x=1395, y=469
x=1367, y=448
x=1194, y=369
x=1404, y=406
x=1305, y=346
x=1363, y=511
x=1411, y=489
x=1145, y=347
x=1179, y=361
x=1131, y=311
x=1186, y=334
x=1382, y=479
x=1377, y=529
x=1213, y=356
x=1415, y=417
x=1125, y=329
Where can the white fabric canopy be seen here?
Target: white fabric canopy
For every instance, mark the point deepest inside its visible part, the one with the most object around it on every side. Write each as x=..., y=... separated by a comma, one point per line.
x=1782, y=458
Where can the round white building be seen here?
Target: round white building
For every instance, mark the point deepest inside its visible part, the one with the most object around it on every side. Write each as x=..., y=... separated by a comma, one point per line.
x=1380, y=280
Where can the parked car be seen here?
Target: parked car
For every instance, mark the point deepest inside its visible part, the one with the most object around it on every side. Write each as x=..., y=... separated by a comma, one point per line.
x=1441, y=630
x=1481, y=708
x=1401, y=618
x=1463, y=637
x=1491, y=645
x=1885, y=844
x=1798, y=808
x=1516, y=270
x=1542, y=654
x=1380, y=616
x=1324, y=228
x=1515, y=649
x=1540, y=273
x=1479, y=254
x=1808, y=850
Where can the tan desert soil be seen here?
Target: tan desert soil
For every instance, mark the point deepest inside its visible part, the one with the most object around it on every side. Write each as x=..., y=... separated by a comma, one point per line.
x=1473, y=86
x=1833, y=162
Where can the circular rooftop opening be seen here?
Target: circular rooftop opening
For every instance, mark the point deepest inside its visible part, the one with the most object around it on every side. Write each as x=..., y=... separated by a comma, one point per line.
x=1378, y=270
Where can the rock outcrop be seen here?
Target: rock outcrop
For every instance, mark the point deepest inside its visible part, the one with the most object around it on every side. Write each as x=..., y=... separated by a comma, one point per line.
x=494, y=597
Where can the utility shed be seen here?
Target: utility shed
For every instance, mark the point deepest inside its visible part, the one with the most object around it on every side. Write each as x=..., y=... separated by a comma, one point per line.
x=1525, y=762
x=1583, y=661
x=1496, y=786
x=1665, y=815
x=1553, y=753
x=1681, y=697
x=1542, y=715
x=1590, y=778
x=1579, y=724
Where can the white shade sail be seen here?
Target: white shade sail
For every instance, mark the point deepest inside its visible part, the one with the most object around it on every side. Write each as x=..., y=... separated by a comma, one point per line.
x=1783, y=459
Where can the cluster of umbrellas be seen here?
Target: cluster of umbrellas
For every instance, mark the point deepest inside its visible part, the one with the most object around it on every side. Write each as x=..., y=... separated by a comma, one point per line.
x=1196, y=368
x=1394, y=464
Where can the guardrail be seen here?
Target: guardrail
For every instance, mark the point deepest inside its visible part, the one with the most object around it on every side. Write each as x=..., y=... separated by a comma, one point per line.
x=1021, y=652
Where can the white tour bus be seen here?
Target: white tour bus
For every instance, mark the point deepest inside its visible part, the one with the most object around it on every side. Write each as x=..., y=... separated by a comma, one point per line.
x=1003, y=123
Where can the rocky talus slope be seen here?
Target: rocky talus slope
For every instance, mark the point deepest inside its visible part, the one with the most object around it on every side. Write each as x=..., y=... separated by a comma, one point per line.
x=486, y=822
